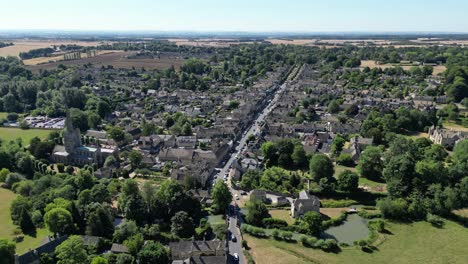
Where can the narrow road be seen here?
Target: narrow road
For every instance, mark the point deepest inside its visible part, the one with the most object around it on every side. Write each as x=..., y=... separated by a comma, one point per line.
x=235, y=247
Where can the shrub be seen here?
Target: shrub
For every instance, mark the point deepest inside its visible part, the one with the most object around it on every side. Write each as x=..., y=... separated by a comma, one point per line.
x=286, y=235
x=369, y=215
x=329, y=244
x=303, y=239
x=276, y=234
x=335, y=221
x=435, y=220
x=274, y=223
x=345, y=160
x=244, y=244
x=338, y=203
x=378, y=225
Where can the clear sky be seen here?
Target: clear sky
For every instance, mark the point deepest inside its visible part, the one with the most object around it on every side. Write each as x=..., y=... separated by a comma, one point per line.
x=238, y=15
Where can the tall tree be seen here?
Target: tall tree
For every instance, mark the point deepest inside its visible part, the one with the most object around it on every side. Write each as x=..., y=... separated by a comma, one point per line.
x=71, y=251
x=321, y=167
x=222, y=197
x=182, y=225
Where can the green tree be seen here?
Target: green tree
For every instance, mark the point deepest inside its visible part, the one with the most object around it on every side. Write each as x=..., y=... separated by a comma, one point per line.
x=7, y=252
x=134, y=243
x=299, y=156
x=312, y=222
x=348, y=181
x=370, y=163
x=256, y=212
x=222, y=197
x=135, y=158
x=103, y=109
x=17, y=207
x=182, y=225
x=99, y=260
x=269, y=152
x=334, y=107
x=100, y=222
x=71, y=251
x=399, y=173
x=58, y=220
x=321, y=166
x=153, y=252
x=26, y=223
x=251, y=179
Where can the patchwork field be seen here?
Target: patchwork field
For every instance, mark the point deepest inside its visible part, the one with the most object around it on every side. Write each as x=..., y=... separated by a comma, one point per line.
x=406, y=243
x=117, y=59
x=208, y=42
x=25, y=45
x=373, y=64
x=8, y=134
x=58, y=58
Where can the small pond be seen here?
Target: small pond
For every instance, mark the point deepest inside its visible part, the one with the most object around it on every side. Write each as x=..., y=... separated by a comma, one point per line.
x=354, y=228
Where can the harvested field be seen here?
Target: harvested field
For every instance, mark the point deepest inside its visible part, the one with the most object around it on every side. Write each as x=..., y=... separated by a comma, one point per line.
x=373, y=64
x=304, y=42
x=57, y=58
x=208, y=42
x=118, y=59
x=27, y=45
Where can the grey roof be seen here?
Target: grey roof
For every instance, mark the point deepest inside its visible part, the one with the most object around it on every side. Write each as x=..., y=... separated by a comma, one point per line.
x=34, y=255
x=119, y=248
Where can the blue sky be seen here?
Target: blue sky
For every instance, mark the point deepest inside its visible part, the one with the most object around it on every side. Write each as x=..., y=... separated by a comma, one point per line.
x=238, y=15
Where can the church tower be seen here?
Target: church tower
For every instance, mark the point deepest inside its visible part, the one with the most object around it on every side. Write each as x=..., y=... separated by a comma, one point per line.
x=71, y=135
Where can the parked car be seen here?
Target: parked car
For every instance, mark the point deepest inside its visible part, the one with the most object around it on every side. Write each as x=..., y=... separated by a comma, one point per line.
x=236, y=257
x=233, y=238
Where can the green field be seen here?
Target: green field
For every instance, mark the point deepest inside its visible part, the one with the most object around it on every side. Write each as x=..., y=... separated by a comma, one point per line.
x=8, y=134
x=7, y=227
x=406, y=243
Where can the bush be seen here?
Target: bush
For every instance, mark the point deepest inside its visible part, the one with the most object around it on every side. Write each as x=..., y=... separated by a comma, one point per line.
x=369, y=215
x=338, y=203
x=276, y=234
x=274, y=223
x=378, y=225
x=286, y=235
x=345, y=160
x=13, y=178
x=334, y=221
x=60, y=167
x=393, y=209
x=244, y=244
x=329, y=244
x=435, y=220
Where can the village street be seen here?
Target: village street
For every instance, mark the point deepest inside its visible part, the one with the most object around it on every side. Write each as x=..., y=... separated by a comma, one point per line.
x=234, y=215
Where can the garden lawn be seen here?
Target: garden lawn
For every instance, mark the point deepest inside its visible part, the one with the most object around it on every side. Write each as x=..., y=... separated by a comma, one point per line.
x=408, y=243
x=7, y=227
x=10, y=133
x=282, y=214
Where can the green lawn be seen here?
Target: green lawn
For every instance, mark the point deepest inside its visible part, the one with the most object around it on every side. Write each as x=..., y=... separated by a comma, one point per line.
x=282, y=214
x=408, y=243
x=9, y=133
x=7, y=227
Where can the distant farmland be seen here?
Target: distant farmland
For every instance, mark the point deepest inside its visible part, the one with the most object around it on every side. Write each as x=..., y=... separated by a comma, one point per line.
x=117, y=59
x=373, y=64
x=25, y=45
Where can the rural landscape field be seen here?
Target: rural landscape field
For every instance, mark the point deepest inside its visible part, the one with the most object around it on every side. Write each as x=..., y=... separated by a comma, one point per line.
x=234, y=132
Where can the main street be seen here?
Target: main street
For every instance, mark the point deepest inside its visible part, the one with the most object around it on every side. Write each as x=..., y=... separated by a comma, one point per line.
x=234, y=216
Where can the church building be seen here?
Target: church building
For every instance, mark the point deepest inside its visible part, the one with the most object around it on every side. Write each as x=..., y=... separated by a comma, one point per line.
x=73, y=152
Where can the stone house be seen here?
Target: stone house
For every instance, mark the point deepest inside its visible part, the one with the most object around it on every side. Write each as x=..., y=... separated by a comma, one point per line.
x=305, y=203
